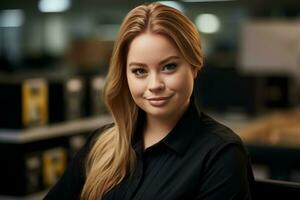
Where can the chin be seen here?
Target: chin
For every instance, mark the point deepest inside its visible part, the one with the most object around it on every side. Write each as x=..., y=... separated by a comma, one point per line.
x=159, y=111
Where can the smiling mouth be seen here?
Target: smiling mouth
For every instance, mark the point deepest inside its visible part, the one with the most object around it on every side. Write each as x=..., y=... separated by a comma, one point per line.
x=158, y=101
x=158, y=98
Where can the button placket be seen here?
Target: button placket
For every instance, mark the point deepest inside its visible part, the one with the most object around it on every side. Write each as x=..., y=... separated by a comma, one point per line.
x=137, y=179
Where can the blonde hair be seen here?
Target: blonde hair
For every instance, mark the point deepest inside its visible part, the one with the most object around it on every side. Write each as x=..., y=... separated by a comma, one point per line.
x=112, y=157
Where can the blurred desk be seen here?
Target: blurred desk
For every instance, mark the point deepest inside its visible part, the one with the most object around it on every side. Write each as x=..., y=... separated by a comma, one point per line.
x=273, y=140
x=279, y=129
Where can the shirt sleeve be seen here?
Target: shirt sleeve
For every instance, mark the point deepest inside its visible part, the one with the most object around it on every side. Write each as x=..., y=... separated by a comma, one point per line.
x=228, y=175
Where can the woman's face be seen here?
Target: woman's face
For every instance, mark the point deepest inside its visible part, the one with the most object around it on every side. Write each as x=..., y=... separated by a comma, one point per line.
x=159, y=78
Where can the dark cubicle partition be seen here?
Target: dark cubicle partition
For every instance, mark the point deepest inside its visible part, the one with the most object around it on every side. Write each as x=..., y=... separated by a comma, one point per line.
x=280, y=161
x=275, y=190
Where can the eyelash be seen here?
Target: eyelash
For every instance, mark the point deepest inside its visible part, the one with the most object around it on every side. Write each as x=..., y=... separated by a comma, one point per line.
x=173, y=65
x=136, y=71
x=140, y=72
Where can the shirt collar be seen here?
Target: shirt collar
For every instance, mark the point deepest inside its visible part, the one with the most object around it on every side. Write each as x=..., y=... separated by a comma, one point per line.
x=182, y=134
x=179, y=137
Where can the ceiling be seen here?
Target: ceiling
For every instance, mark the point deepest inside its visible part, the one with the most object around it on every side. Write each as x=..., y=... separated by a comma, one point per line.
x=263, y=8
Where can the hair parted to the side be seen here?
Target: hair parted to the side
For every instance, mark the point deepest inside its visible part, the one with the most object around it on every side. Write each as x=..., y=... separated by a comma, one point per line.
x=112, y=157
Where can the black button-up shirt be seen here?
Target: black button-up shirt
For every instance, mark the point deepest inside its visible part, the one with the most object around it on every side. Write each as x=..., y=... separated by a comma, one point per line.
x=199, y=159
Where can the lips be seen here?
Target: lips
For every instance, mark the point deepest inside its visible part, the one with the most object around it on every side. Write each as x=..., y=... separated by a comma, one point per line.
x=158, y=98
x=158, y=101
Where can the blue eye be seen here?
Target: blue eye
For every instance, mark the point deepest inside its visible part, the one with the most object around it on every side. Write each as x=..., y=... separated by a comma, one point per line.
x=170, y=67
x=139, y=72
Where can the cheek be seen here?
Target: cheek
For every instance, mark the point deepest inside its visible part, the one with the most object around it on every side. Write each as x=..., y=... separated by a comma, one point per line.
x=182, y=82
x=136, y=87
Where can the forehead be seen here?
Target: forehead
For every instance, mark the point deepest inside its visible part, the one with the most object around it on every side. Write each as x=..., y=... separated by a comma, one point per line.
x=151, y=48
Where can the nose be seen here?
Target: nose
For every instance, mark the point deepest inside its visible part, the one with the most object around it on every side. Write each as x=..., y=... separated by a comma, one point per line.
x=156, y=84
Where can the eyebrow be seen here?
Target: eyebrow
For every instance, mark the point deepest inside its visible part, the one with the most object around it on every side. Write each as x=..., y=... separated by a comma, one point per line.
x=160, y=63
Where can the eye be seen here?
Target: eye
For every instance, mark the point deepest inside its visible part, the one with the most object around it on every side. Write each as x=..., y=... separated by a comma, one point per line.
x=139, y=72
x=170, y=67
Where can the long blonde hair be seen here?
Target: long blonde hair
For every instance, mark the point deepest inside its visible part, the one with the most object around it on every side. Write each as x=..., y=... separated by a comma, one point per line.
x=112, y=157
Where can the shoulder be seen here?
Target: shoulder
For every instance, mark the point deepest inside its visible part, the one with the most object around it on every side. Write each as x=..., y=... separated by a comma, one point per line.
x=94, y=135
x=82, y=154
x=219, y=131
x=219, y=146
x=214, y=137
x=224, y=161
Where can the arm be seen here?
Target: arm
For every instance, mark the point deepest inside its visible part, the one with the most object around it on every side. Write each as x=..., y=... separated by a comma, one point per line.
x=228, y=175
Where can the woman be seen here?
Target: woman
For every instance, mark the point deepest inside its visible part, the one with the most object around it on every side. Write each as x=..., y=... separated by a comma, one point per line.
x=160, y=146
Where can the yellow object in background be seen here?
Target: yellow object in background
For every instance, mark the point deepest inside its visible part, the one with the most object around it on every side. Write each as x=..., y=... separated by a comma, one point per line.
x=34, y=102
x=54, y=164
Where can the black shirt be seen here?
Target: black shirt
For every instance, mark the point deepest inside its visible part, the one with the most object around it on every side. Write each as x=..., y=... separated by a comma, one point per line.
x=199, y=159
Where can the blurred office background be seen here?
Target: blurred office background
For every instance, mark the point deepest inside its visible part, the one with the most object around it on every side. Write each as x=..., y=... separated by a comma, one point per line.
x=54, y=56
